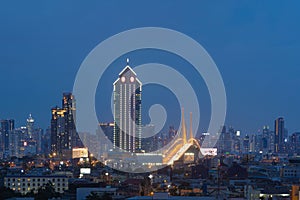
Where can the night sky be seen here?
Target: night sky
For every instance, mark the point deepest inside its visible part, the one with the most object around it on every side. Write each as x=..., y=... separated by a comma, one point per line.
x=255, y=45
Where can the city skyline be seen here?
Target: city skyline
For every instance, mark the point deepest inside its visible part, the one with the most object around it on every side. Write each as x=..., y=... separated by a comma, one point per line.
x=243, y=132
x=149, y=100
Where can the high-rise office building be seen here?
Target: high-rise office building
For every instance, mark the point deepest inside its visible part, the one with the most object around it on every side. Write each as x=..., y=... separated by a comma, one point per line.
x=253, y=145
x=69, y=105
x=31, y=137
x=22, y=141
x=127, y=110
x=38, y=132
x=224, y=136
x=148, y=143
x=237, y=142
x=258, y=145
x=108, y=130
x=46, y=141
x=5, y=137
x=30, y=127
x=279, y=135
x=266, y=139
x=15, y=143
x=60, y=140
x=246, y=144
x=63, y=130
x=11, y=124
x=295, y=143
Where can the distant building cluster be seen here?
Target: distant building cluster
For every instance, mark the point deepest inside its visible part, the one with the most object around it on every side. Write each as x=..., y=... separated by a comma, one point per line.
x=29, y=140
x=20, y=141
x=265, y=141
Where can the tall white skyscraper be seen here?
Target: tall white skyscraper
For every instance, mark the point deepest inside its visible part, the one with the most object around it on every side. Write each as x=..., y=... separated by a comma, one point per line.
x=127, y=111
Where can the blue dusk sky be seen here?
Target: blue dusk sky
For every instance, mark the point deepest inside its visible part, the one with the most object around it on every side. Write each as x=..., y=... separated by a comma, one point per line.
x=255, y=45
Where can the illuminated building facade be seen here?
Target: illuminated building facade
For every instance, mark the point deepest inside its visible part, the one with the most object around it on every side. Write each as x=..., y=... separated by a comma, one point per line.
x=69, y=105
x=279, y=135
x=30, y=127
x=127, y=111
x=80, y=152
x=59, y=139
x=5, y=137
x=32, y=138
x=246, y=144
x=27, y=183
x=63, y=131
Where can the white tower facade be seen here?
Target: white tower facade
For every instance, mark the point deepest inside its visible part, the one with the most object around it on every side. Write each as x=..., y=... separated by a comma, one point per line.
x=127, y=111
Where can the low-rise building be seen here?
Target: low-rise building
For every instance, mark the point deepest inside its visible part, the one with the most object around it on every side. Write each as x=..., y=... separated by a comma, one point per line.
x=291, y=172
x=27, y=183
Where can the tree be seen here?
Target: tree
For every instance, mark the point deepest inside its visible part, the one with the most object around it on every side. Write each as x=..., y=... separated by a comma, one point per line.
x=46, y=192
x=145, y=186
x=93, y=196
x=106, y=196
x=7, y=193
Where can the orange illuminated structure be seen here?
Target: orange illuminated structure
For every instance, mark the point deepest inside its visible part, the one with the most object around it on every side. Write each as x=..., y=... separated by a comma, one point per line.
x=180, y=145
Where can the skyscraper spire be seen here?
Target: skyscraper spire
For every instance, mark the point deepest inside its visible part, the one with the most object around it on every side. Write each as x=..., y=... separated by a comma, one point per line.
x=30, y=119
x=183, y=127
x=191, y=125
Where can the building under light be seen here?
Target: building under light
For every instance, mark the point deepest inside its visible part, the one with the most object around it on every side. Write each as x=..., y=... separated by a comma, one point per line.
x=63, y=131
x=279, y=135
x=127, y=111
x=27, y=183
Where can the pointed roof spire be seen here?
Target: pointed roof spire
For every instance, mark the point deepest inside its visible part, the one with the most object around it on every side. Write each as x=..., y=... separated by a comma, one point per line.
x=30, y=118
x=127, y=68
